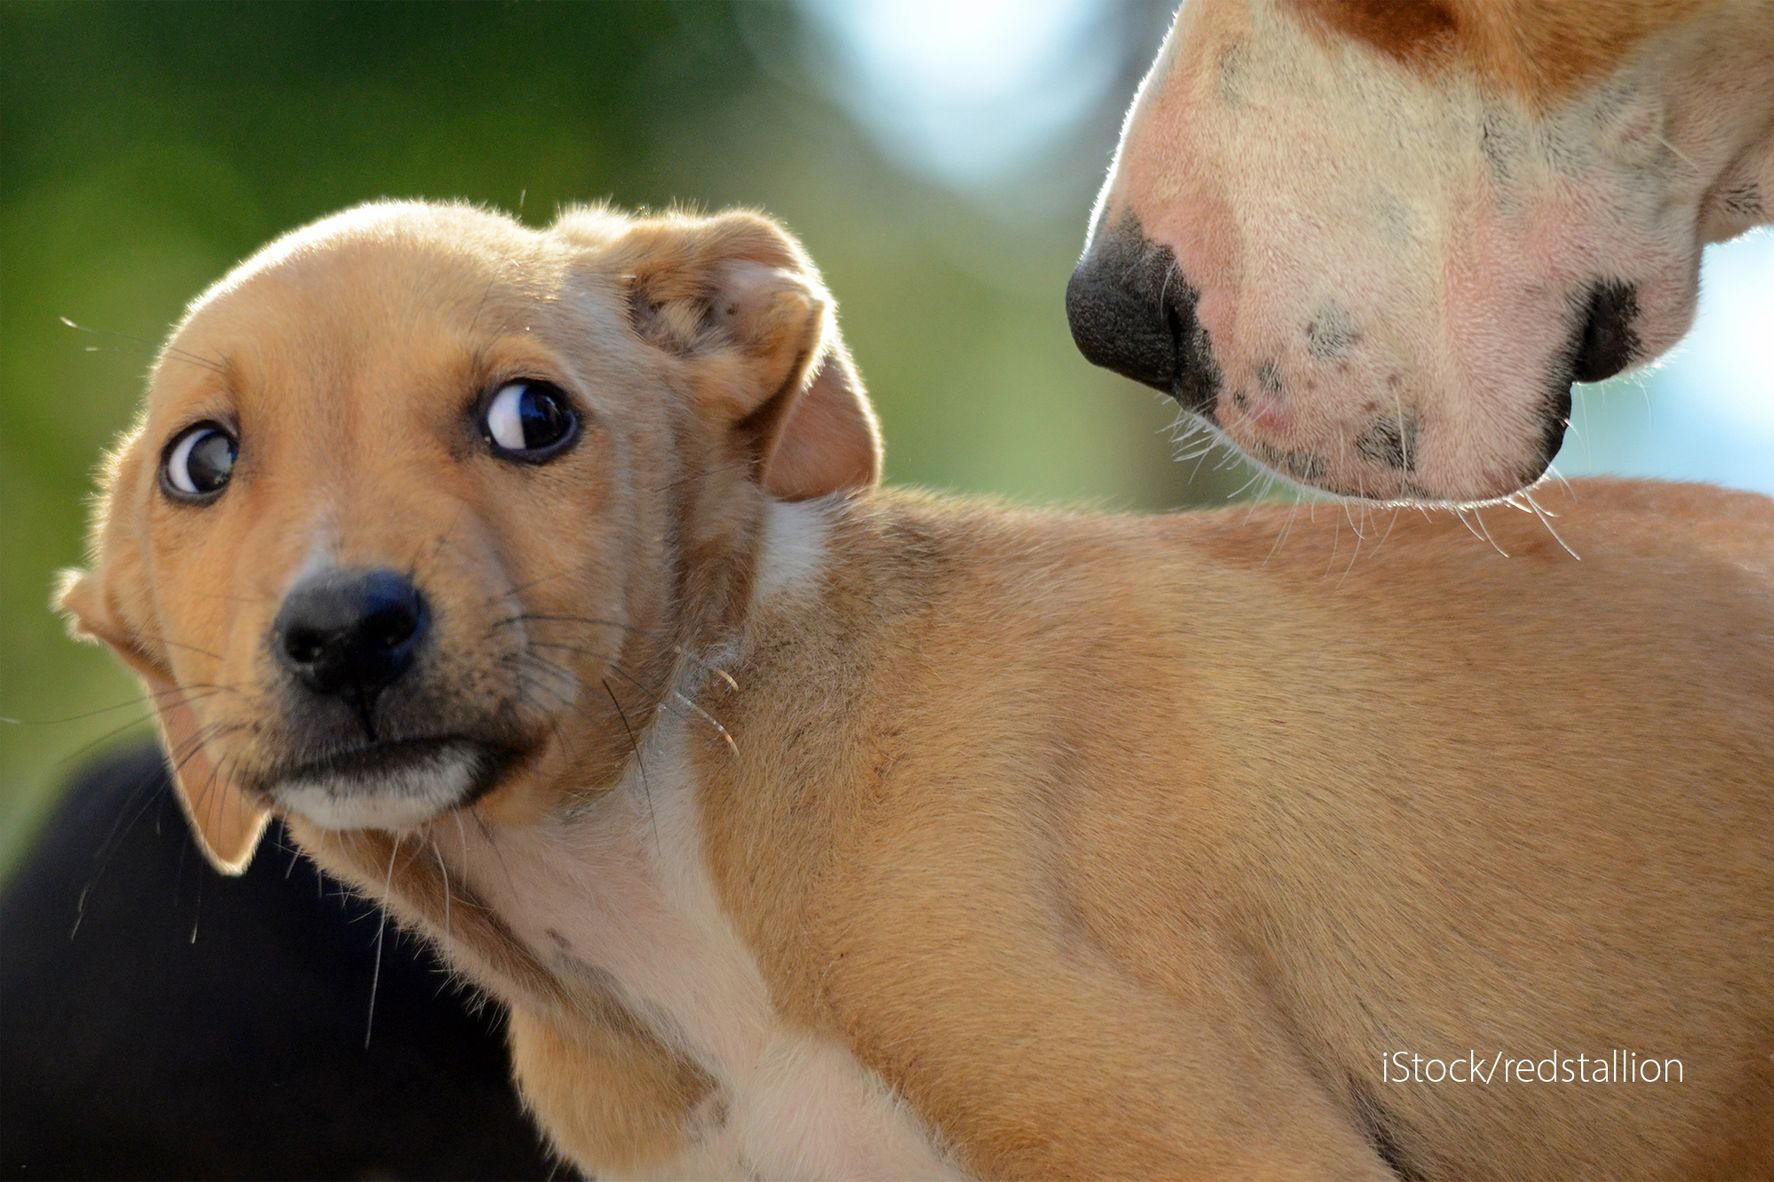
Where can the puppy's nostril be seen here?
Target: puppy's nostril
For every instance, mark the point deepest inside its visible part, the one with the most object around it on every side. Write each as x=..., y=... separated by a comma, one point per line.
x=392, y=626
x=303, y=645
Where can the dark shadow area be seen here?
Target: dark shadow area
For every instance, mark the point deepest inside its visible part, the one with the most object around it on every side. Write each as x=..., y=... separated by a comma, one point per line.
x=161, y=1021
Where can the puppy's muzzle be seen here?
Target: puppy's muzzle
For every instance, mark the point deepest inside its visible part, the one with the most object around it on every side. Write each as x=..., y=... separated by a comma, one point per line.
x=1131, y=311
x=349, y=634
x=373, y=737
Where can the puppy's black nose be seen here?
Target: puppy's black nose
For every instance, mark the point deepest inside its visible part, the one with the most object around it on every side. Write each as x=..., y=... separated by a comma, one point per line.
x=350, y=631
x=1131, y=311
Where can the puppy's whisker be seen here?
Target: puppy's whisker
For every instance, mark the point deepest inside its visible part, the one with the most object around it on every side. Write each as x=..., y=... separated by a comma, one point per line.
x=550, y=701
x=548, y=617
x=511, y=592
x=136, y=803
x=136, y=799
x=462, y=839
x=197, y=908
x=543, y=664
x=675, y=648
x=491, y=839
x=369, y=1024
x=665, y=703
x=480, y=365
x=210, y=811
x=550, y=695
x=210, y=364
x=444, y=870
x=640, y=763
x=84, y=748
x=562, y=646
x=226, y=597
x=560, y=701
x=702, y=474
x=152, y=696
x=171, y=643
x=437, y=544
x=80, y=909
x=199, y=739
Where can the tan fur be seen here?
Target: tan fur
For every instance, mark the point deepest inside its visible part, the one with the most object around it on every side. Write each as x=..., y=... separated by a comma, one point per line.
x=1388, y=225
x=1116, y=847
x=1538, y=51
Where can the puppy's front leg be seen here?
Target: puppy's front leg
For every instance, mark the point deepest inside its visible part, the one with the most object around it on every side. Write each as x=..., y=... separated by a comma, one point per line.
x=615, y=1101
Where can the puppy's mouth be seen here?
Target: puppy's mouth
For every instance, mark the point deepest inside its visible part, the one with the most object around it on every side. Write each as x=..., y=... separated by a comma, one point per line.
x=393, y=784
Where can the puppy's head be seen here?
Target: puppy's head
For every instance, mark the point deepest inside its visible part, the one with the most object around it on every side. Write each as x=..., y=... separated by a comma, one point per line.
x=1374, y=243
x=423, y=503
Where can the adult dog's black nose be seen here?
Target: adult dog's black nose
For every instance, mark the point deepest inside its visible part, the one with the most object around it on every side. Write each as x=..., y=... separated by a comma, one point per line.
x=350, y=631
x=1132, y=312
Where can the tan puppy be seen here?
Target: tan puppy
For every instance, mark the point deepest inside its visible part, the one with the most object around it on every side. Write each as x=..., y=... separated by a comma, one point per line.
x=1373, y=243
x=814, y=831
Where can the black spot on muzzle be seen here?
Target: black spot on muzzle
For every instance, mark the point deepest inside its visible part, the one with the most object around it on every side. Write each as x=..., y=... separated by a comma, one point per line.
x=1132, y=312
x=1390, y=442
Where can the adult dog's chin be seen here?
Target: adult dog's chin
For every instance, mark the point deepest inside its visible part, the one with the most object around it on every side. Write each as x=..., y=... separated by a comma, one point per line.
x=393, y=784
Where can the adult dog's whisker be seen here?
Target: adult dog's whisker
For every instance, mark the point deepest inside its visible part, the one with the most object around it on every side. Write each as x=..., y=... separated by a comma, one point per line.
x=664, y=703
x=719, y=672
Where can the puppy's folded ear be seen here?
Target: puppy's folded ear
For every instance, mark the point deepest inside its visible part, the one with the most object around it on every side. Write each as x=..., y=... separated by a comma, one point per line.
x=737, y=298
x=227, y=825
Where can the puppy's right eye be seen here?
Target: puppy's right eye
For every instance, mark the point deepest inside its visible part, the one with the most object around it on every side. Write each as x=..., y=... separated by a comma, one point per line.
x=199, y=462
x=530, y=421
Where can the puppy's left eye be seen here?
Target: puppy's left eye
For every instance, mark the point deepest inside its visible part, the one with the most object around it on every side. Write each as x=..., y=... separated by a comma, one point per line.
x=529, y=420
x=199, y=462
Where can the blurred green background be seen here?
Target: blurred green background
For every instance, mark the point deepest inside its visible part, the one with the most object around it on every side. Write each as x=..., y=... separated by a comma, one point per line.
x=938, y=159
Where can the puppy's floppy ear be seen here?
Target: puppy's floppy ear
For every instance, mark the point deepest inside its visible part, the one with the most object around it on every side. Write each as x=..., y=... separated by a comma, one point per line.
x=736, y=297
x=227, y=825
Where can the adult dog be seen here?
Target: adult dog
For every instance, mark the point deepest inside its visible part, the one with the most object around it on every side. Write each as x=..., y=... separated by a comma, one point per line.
x=1374, y=243
x=809, y=830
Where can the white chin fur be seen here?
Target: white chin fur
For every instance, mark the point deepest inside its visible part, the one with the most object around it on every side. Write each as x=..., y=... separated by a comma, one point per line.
x=398, y=799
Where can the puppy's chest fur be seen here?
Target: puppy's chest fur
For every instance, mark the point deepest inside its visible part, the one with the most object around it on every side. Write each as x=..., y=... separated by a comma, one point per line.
x=617, y=899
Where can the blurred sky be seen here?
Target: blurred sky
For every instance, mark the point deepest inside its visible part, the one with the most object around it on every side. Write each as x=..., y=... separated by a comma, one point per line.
x=938, y=158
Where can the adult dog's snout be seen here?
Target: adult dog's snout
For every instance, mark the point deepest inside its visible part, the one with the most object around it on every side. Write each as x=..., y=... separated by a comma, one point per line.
x=1132, y=312
x=351, y=632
